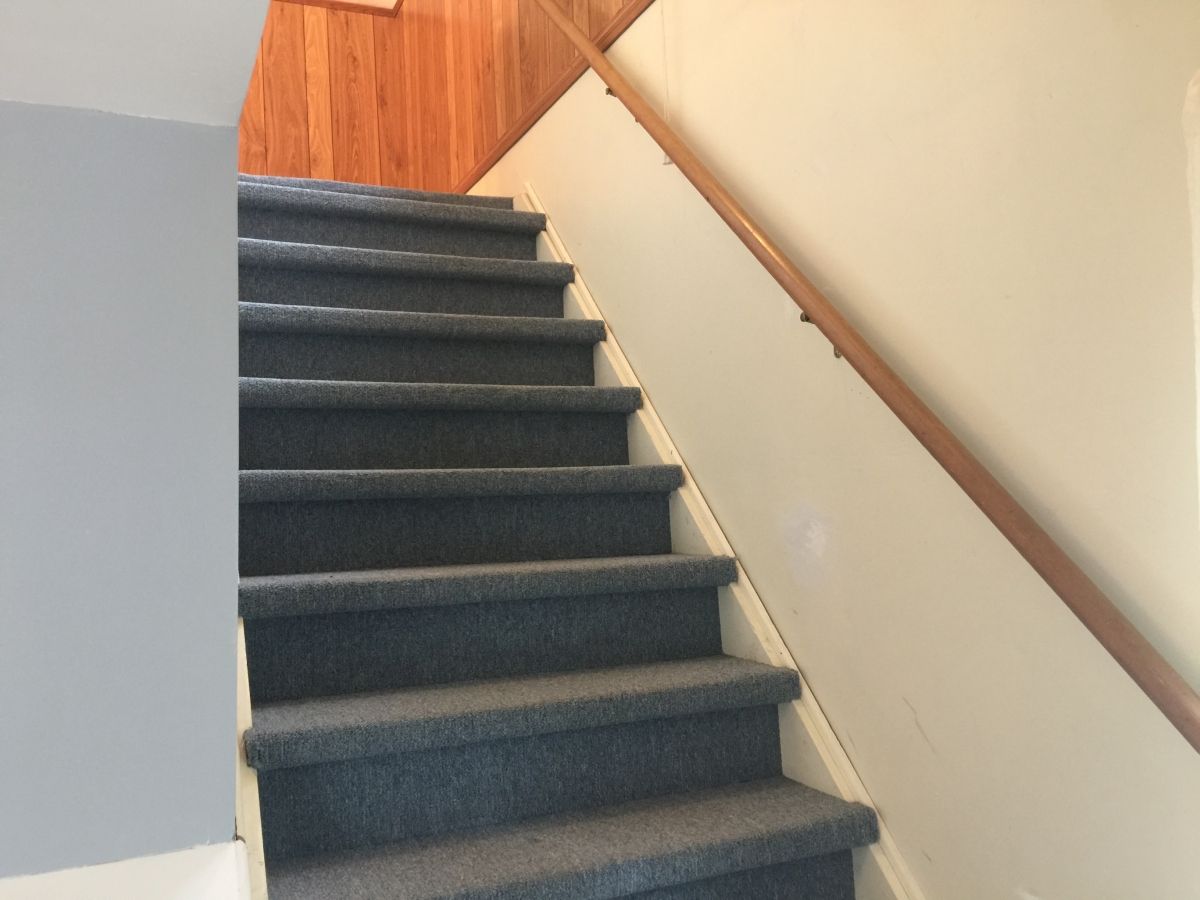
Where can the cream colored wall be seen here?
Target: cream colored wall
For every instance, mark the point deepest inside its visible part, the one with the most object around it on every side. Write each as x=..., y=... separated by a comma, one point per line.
x=207, y=872
x=997, y=195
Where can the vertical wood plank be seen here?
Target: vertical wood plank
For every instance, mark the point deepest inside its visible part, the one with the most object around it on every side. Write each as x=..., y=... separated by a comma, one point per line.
x=412, y=81
x=320, y=104
x=252, y=146
x=532, y=26
x=580, y=11
x=458, y=82
x=285, y=101
x=559, y=49
x=430, y=91
x=352, y=90
x=506, y=53
x=600, y=13
x=487, y=128
x=469, y=74
x=393, y=102
x=507, y=57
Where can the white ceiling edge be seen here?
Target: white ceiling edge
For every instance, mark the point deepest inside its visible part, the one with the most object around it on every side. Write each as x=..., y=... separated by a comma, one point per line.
x=185, y=60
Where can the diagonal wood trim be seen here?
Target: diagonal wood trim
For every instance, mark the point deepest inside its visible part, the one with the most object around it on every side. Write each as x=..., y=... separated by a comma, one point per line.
x=605, y=39
x=1168, y=690
x=380, y=8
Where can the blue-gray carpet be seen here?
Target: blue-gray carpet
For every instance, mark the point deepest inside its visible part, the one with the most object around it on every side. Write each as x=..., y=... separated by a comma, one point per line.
x=477, y=668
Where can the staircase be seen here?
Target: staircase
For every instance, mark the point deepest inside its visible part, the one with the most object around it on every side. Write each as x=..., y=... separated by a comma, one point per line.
x=477, y=669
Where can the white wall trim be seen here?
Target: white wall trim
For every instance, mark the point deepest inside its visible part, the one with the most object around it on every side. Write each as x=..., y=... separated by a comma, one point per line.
x=1191, y=136
x=248, y=814
x=208, y=872
x=812, y=752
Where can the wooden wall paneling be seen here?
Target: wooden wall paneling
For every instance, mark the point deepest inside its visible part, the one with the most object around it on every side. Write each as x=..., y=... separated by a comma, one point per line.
x=285, y=101
x=628, y=14
x=320, y=103
x=252, y=138
x=427, y=99
x=391, y=83
x=506, y=56
x=352, y=90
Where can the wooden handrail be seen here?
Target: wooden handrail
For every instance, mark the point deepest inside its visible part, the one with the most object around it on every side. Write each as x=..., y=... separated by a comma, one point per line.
x=1128, y=646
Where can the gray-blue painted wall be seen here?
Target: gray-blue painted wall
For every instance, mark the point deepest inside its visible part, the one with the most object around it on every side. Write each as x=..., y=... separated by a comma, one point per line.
x=118, y=486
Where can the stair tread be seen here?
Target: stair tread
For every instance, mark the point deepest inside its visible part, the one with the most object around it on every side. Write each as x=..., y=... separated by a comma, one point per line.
x=323, y=257
x=295, y=485
x=346, y=204
x=265, y=596
x=608, y=852
x=376, y=190
x=281, y=318
x=297, y=393
x=321, y=729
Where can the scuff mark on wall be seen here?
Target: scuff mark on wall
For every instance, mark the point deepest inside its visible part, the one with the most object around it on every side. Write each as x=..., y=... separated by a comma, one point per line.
x=806, y=532
x=920, y=727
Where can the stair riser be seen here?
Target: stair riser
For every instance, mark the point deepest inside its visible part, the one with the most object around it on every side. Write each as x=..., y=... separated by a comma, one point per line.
x=279, y=538
x=828, y=877
x=340, y=806
x=306, y=656
x=337, y=357
x=428, y=439
x=354, y=290
x=384, y=234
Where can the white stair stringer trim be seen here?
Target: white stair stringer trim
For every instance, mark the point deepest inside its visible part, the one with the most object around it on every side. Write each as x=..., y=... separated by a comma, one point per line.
x=247, y=814
x=811, y=750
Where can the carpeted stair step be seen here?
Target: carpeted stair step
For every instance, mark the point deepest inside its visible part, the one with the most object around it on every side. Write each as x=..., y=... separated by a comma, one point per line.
x=279, y=341
x=340, y=772
x=375, y=190
x=323, y=521
x=344, y=219
x=313, y=275
x=300, y=424
x=626, y=850
x=341, y=633
x=322, y=593
x=366, y=801
x=353, y=726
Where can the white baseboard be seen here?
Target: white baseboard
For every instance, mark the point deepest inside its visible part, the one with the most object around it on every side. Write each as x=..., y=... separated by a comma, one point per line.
x=209, y=872
x=811, y=750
